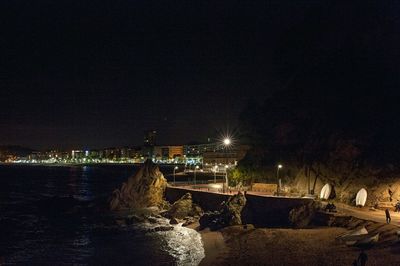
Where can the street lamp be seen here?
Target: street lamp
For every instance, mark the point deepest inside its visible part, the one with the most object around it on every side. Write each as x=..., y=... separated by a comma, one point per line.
x=277, y=178
x=227, y=141
x=197, y=167
x=215, y=173
x=175, y=168
x=226, y=176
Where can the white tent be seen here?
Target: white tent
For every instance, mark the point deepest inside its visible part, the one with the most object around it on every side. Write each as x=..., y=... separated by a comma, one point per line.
x=361, y=197
x=325, y=192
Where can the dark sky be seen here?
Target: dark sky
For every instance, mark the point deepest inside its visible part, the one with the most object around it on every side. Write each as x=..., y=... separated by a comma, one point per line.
x=98, y=73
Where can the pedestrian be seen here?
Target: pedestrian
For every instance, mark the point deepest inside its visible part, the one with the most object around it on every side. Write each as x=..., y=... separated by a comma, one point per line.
x=388, y=219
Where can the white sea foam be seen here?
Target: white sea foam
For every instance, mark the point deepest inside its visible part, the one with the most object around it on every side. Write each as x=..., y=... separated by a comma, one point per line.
x=182, y=243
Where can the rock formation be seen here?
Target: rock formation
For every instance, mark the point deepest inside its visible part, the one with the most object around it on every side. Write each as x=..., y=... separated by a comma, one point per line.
x=230, y=213
x=303, y=215
x=144, y=189
x=183, y=207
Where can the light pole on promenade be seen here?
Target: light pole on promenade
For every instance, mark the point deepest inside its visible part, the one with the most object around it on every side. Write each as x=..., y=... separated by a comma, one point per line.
x=215, y=173
x=197, y=167
x=226, y=142
x=226, y=176
x=277, y=178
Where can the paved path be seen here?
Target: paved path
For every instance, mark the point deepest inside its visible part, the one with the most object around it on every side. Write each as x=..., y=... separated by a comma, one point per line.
x=362, y=213
x=366, y=214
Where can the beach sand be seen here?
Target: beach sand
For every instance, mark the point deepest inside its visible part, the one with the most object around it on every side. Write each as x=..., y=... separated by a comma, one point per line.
x=215, y=248
x=317, y=246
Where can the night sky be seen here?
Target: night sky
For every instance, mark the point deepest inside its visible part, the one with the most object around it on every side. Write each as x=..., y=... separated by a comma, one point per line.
x=93, y=74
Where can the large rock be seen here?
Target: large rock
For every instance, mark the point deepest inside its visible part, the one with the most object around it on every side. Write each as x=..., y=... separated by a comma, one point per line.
x=145, y=189
x=303, y=215
x=183, y=207
x=230, y=214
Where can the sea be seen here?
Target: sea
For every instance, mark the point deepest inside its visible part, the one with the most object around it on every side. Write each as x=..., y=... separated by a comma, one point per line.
x=38, y=228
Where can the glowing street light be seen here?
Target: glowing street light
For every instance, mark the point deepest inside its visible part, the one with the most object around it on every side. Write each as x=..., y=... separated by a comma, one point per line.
x=197, y=167
x=226, y=177
x=175, y=168
x=227, y=141
x=277, y=178
x=215, y=173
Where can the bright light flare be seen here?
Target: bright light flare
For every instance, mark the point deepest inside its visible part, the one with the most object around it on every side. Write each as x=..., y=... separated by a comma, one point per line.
x=227, y=141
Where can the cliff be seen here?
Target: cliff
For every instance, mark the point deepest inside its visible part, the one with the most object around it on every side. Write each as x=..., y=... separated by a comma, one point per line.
x=348, y=138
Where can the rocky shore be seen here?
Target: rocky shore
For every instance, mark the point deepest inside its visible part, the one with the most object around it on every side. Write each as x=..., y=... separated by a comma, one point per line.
x=310, y=237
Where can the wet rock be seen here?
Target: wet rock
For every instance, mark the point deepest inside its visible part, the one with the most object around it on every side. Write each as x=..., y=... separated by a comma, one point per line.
x=162, y=229
x=131, y=219
x=174, y=221
x=303, y=215
x=248, y=226
x=189, y=221
x=145, y=189
x=183, y=207
x=152, y=220
x=230, y=214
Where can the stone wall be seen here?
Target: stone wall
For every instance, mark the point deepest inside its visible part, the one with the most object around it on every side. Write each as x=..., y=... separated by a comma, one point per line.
x=260, y=211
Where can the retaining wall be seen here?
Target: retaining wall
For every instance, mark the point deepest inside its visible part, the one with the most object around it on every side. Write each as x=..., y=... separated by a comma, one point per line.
x=259, y=210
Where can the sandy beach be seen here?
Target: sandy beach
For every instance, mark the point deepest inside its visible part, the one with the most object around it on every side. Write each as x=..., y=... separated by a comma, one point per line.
x=216, y=250
x=316, y=246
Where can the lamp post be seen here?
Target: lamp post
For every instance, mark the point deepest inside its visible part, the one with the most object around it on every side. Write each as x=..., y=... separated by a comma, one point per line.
x=175, y=168
x=197, y=167
x=227, y=142
x=277, y=178
x=226, y=176
x=215, y=173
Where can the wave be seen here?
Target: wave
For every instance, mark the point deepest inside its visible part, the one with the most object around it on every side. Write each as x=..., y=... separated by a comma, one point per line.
x=182, y=243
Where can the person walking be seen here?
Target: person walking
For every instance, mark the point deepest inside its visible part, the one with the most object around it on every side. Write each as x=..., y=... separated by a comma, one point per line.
x=388, y=219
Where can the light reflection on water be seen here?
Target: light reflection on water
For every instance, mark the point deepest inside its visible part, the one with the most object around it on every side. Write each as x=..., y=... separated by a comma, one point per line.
x=37, y=228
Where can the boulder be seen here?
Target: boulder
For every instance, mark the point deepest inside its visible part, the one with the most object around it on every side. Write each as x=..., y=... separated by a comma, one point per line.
x=131, y=219
x=230, y=213
x=302, y=216
x=190, y=220
x=144, y=189
x=161, y=229
x=183, y=207
x=173, y=221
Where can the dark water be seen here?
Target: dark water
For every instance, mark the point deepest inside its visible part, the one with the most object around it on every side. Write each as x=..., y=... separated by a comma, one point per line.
x=38, y=228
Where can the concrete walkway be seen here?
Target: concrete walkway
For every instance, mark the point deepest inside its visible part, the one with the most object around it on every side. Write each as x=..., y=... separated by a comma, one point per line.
x=362, y=213
x=367, y=214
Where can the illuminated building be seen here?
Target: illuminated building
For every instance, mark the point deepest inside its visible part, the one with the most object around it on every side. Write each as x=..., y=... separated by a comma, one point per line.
x=150, y=137
x=168, y=153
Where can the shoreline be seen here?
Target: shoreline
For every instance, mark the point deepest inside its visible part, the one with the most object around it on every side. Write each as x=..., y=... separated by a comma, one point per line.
x=215, y=248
